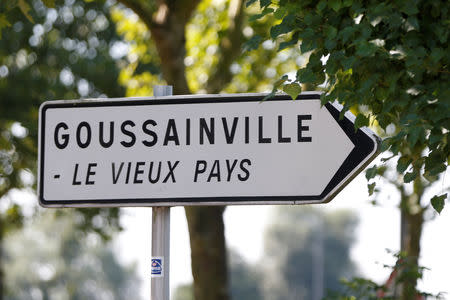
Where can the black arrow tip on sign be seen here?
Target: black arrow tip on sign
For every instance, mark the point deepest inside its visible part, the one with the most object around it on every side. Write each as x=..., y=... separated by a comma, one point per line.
x=367, y=145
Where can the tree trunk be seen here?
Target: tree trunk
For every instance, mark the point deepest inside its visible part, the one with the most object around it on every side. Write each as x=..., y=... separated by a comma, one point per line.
x=229, y=48
x=206, y=228
x=209, y=263
x=170, y=42
x=411, y=234
x=412, y=220
x=167, y=23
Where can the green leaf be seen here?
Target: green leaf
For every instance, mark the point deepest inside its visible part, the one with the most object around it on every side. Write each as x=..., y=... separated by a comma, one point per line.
x=287, y=25
x=253, y=18
x=381, y=170
x=414, y=22
x=292, y=89
x=430, y=178
x=436, y=169
x=278, y=30
x=335, y=5
x=321, y=5
x=410, y=176
x=249, y=2
x=252, y=44
x=25, y=8
x=438, y=202
x=371, y=172
x=414, y=135
x=381, y=93
x=264, y=3
x=437, y=54
x=347, y=3
x=305, y=75
x=308, y=40
x=365, y=49
x=371, y=188
x=403, y=163
x=332, y=65
x=330, y=32
x=361, y=121
x=410, y=8
x=436, y=136
x=347, y=63
x=280, y=81
x=330, y=44
x=435, y=162
x=385, y=144
x=266, y=11
x=284, y=45
x=307, y=45
x=347, y=33
x=280, y=13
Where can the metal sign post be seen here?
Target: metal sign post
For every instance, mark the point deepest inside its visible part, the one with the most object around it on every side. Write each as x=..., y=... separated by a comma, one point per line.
x=160, y=261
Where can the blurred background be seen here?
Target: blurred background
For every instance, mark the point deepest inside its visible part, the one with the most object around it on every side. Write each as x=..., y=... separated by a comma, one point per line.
x=76, y=49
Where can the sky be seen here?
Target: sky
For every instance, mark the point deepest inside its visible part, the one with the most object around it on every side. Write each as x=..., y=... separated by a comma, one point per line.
x=378, y=232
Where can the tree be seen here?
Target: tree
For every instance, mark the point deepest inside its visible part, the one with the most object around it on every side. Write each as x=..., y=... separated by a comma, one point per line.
x=63, y=55
x=65, y=263
x=49, y=53
x=389, y=58
x=212, y=33
x=196, y=47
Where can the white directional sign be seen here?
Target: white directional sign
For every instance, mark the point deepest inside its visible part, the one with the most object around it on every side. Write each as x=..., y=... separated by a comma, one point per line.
x=197, y=150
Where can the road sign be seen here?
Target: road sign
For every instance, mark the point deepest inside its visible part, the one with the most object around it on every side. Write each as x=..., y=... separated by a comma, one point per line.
x=197, y=150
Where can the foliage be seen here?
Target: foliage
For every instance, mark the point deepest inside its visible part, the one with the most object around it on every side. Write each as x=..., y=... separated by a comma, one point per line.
x=6, y=7
x=52, y=259
x=390, y=57
x=207, y=29
x=65, y=53
x=358, y=288
x=62, y=62
x=366, y=289
x=143, y=68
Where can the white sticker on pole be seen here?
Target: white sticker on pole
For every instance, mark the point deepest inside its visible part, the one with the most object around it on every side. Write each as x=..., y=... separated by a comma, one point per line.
x=157, y=266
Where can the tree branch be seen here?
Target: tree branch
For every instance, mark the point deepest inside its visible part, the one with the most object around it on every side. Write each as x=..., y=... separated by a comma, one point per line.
x=144, y=11
x=166, y=20
x=229, y=48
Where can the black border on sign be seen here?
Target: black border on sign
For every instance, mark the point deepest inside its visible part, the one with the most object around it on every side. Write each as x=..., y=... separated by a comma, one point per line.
x=366, y=148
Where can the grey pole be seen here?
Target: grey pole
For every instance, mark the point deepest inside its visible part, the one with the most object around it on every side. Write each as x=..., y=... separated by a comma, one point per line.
x=160, y=235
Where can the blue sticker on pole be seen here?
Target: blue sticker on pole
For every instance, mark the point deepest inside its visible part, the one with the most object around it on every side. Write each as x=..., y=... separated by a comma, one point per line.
x=157, y=266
